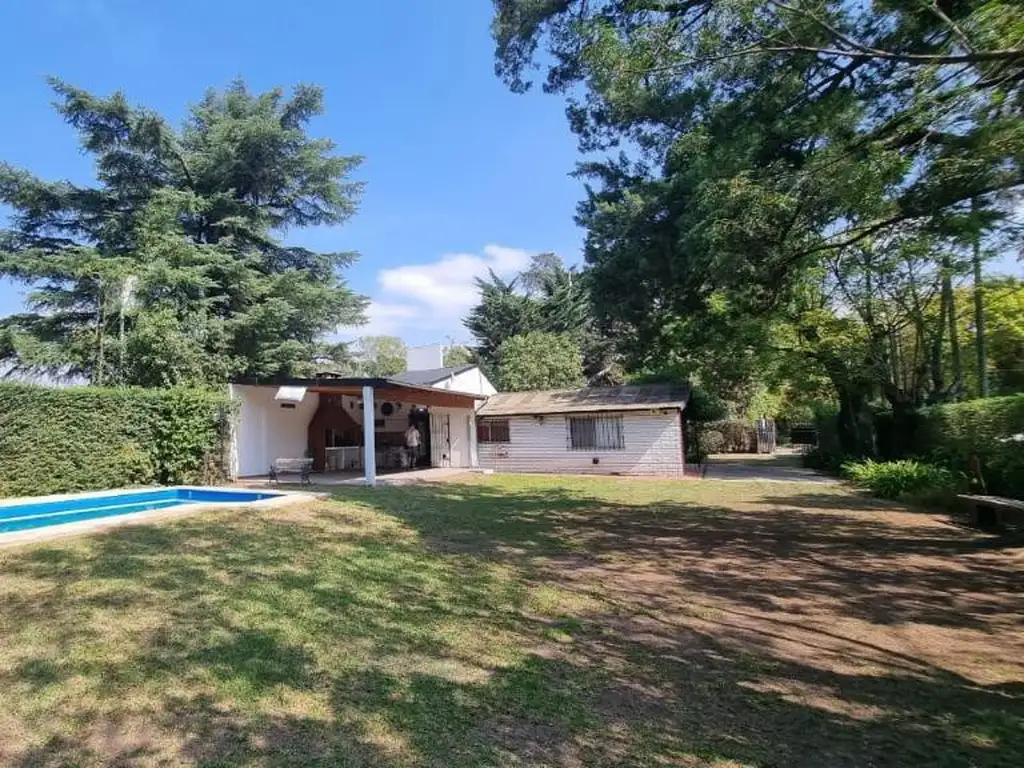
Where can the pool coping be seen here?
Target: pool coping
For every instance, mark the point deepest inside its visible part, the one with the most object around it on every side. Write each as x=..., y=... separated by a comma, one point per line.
x=280, y=498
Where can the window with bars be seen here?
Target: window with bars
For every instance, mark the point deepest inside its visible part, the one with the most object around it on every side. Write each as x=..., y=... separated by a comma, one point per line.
x=595, y=433
x=492, y=431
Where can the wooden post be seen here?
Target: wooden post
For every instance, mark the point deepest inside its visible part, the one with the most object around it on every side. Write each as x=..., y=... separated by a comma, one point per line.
x=369, y=442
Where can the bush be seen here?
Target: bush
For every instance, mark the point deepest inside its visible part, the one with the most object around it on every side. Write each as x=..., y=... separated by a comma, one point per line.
x=905, y=479
x=952, y=434
x=711, y=441
x=738, y=436
x=824, y=460
x=84, y=438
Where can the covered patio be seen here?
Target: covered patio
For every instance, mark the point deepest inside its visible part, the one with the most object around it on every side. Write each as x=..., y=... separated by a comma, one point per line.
x=351, y=428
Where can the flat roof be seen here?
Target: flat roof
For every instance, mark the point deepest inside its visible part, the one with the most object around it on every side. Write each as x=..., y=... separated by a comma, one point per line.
x=430, y=376
x=386, y=387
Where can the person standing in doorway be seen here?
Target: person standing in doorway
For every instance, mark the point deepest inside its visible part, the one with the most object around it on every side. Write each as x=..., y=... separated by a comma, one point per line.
x=412, y=444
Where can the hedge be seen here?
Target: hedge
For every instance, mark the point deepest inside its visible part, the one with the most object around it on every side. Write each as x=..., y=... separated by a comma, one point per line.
x=950, y=435
x=83, y=438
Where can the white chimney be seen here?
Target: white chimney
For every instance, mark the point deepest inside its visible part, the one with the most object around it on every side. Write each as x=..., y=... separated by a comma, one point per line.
x=424, y=358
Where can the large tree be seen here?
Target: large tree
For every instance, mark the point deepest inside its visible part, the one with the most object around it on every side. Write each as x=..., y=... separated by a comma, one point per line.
x=171, y=268
x=537, y=360
x=380, y=356
x=547, y=297
x=764, y=148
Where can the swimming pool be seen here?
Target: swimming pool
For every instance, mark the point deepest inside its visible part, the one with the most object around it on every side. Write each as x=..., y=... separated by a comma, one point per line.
x=44, y=512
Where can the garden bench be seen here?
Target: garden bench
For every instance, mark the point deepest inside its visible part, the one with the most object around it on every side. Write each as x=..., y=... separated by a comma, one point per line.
x=991, y=511
x=301, y=467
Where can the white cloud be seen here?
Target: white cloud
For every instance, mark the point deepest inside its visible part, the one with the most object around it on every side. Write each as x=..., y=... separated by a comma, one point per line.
x=426, y=302
x=447, y=287
x=383, y=319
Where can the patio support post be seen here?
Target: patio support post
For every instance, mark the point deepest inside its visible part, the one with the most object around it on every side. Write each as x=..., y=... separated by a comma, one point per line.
x=369, y=445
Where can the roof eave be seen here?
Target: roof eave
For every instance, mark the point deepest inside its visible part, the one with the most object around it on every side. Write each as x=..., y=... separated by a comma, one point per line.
x=604, y=409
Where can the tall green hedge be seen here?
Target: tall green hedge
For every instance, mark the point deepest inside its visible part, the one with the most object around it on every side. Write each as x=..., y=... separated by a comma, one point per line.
x=84, y=438
x=951, y=434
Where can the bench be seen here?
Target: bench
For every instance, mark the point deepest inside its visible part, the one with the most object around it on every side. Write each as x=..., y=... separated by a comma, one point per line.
x=991, y=511
x=301, y=467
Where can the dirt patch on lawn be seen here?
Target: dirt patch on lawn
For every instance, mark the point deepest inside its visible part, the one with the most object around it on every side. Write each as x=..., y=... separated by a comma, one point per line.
x=818, y=628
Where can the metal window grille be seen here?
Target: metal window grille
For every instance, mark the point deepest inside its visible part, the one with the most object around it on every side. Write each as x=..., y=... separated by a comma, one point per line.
x=595, y=433
x=492, y=431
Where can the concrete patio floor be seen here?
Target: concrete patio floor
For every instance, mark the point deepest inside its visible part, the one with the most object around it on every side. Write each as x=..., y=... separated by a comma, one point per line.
x=392, y=477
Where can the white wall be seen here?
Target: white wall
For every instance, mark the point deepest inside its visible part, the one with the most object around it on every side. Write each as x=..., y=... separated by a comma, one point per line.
x=472, y=381
x=265, y=431
x=424, y=358
x=462, y=450
x=653, y=443
x=398, y=421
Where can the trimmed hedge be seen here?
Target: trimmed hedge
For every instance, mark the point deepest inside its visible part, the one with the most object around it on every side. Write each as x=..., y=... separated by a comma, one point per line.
x=949, y=435
x=84, y=438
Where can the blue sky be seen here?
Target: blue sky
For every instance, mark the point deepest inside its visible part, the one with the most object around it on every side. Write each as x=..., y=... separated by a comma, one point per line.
x=461, y=174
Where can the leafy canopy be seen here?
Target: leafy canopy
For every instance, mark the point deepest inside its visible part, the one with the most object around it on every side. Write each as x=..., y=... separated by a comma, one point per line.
x=171, y=268
x=777, y=161
x=380, y=356
x=547, y=297
x=538, y=361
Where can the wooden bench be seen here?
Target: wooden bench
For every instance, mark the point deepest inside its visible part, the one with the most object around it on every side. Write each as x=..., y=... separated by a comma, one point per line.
x=301, y=467
x=991, y=511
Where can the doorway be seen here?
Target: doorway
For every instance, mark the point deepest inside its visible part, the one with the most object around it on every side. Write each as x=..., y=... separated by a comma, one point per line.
x=420, y=418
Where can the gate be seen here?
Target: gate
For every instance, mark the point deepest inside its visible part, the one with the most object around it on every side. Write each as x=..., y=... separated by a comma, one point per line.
x=765, y=435
x=440, y=440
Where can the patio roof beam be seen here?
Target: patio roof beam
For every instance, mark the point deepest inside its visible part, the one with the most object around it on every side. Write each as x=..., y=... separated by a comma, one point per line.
x=428, y=397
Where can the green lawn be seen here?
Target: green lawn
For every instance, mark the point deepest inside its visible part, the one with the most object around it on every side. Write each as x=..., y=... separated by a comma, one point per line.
x=520, y=621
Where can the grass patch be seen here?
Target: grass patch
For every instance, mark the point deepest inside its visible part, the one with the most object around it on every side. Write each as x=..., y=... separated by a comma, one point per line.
x=518, y=620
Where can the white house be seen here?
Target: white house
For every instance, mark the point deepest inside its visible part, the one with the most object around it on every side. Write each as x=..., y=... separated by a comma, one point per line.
x=630, y=430
x=462, y=378
x=358, y=424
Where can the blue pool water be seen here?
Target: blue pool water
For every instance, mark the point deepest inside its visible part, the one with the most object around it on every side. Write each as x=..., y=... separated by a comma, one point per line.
x=39, y=514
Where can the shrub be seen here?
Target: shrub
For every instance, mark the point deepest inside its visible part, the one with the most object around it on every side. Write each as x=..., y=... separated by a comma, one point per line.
x=85, y=438
x=905, y=479
x=951, y=434
x=711, y=441
x=738, y=436
x=824, y=460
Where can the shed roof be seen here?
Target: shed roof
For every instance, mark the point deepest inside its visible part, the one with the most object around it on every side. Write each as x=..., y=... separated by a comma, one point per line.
x=431, y=375
x=633, y=397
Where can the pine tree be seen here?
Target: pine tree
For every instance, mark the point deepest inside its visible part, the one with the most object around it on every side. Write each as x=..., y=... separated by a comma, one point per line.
x=170, y=269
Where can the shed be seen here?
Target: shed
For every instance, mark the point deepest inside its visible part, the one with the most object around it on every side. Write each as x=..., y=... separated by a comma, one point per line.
x=635, y=429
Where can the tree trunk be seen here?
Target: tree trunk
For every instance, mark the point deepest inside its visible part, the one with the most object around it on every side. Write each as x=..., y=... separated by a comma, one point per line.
x=979, y=320
x=854, y=427
x=100, y=339
x=938, y=375
x=954, y=339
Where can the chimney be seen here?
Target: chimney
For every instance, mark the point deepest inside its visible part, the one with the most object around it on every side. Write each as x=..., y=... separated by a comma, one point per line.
x=424, y=358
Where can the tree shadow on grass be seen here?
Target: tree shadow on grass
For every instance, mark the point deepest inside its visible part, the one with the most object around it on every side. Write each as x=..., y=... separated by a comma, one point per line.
x=235, y=639
x=803, y=548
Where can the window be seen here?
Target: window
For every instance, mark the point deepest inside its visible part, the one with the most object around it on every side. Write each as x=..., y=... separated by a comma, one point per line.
x=492, y=431
x=595, y=433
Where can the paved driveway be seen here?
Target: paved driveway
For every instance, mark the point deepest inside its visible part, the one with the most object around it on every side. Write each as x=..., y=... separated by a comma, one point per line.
x=784, y=466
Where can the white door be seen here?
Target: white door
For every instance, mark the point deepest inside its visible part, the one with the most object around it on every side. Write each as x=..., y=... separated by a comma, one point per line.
x=440, y=440
x=459, y=441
